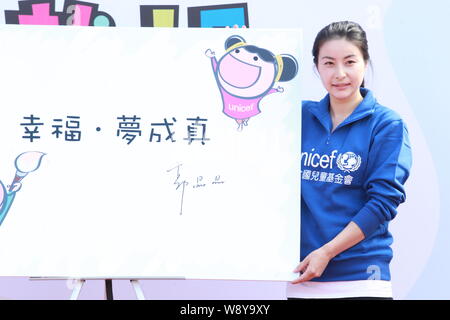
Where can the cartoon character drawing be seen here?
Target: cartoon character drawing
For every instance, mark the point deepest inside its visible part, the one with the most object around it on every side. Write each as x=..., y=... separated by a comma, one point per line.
x=246, y=74
x=25, y=163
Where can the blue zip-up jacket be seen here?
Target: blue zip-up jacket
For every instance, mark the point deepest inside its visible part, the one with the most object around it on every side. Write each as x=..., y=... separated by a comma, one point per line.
x=355, y=173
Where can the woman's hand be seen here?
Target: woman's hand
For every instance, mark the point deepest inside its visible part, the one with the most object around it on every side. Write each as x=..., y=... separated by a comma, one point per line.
x=316, y=262
x=313, y=265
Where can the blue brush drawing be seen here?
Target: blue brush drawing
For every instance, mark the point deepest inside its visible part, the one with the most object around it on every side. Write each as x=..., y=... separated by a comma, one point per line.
x=25, y=163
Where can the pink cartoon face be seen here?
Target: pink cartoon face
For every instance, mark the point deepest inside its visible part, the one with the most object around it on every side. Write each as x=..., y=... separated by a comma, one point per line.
x=246, y=74
x=245, y=71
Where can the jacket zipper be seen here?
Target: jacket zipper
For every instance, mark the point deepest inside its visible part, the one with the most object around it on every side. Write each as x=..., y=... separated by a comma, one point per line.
x=343, y=124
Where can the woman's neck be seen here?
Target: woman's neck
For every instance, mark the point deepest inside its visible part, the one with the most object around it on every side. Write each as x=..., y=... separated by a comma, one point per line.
x=341, y=109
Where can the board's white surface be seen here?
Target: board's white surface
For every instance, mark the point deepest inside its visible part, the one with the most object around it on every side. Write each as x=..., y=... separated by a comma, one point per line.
x=102, y=208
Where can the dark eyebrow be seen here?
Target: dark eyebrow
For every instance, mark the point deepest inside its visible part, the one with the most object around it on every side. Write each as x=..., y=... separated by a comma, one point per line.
x=331, y=58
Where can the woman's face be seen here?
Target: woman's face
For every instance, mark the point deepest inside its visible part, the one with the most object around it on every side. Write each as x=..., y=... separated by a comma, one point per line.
x=341, y=68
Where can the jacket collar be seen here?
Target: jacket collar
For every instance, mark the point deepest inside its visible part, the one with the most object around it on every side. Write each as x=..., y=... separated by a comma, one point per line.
x=364, y=109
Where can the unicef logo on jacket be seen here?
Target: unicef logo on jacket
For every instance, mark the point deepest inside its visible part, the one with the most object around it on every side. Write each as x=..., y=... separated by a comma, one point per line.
x=348, y=162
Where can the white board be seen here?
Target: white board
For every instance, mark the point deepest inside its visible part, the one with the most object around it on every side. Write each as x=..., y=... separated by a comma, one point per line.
x=103, y=207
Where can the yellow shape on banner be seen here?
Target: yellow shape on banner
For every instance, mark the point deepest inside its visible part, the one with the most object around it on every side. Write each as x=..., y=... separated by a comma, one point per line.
x=163, y=18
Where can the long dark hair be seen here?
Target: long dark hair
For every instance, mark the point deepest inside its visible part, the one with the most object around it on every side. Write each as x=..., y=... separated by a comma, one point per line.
x=347, y=30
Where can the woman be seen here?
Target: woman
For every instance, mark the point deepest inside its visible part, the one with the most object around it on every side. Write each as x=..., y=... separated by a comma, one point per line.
x=355, y=158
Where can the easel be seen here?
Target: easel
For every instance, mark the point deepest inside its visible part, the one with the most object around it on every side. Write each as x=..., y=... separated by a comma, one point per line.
x=78, y=285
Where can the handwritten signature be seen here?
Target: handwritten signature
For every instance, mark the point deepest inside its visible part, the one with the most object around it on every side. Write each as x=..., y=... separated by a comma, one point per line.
x=200, y=182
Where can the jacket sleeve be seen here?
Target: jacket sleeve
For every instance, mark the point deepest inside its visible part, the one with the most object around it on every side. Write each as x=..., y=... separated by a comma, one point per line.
x=389, y=164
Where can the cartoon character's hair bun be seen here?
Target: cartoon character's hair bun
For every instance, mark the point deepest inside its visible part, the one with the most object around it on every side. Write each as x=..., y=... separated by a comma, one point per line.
x=290, y=67
x=231, y=41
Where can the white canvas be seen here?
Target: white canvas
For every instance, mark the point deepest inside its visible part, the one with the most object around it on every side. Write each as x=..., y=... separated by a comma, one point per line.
x=101, y=207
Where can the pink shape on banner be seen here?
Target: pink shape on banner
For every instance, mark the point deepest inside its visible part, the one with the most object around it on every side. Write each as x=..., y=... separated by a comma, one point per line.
x=82, y=15
x=41, y=16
